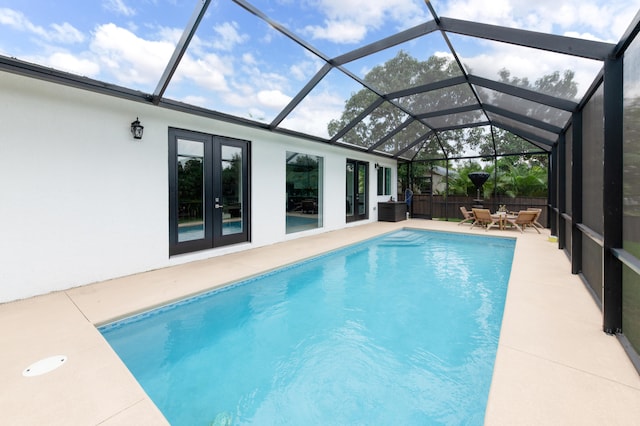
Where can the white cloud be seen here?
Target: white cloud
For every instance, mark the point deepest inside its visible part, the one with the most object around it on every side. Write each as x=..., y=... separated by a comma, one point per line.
x=315, y=113
x=61, y=33
x=349, y=21
x=338, y=31
x=273, y=98
x=241, y=98
x=531, y=65
x=65, y=33
x=67, y=62
x=499, y=13
x=256, y=114
x=256, y=77
x=18, y=21
x=228, y=36
x=302, y=71
x=586, y=19
x=172, y=34
x=195, y=100
x=249, y=59
x=119, y=7
x=209, y=72
x=585, y=36
x=600, y=19
x=129, y=58
x=440, y=54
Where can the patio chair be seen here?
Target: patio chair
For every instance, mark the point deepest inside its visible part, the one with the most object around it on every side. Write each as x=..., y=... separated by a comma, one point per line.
x=309, y=206
x=467, y=216
x=523, y=219
x=535, y=222
x=483, y=217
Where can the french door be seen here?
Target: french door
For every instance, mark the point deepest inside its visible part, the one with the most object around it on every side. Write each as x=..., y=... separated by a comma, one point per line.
x=208, y=191
x=357, y=176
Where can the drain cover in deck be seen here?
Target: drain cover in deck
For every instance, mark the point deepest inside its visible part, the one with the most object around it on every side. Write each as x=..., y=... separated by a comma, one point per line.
x=44, y=365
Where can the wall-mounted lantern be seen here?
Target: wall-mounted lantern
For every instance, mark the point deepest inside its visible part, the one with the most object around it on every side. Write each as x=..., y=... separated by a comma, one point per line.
x=137, y=129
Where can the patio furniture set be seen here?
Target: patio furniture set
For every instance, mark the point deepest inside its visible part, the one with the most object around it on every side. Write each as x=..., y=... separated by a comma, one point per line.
x=520, y=220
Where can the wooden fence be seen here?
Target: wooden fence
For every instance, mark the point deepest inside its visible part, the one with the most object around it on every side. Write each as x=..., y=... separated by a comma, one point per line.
x=437, y=206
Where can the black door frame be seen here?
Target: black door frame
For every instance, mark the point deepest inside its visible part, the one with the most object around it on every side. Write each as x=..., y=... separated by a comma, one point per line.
x=356, y=183
x=213, y=236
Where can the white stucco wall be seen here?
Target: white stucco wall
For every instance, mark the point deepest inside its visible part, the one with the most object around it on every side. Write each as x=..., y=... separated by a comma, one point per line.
x=83, y=202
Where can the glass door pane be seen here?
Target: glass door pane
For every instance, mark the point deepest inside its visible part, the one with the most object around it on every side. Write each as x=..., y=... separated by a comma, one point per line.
x=304, y=188
x=231, y=181
x=356, y=180
x=350, y=189
x=362, y=189
x=190, y=190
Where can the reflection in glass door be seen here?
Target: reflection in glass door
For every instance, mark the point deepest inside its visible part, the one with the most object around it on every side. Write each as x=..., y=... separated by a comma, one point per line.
x=229, y=205
x=351, y=195
x=208, y=185
x=190, y=190
x=357, y=204
x=362, y=190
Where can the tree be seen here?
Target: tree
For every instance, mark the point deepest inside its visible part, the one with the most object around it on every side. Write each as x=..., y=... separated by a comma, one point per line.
x=516, y=178
x=399, y=73
x=404, y=71
x=503, y=142
x=190, y=189
x=459, y=183
x=512, y=174
x=302, y=175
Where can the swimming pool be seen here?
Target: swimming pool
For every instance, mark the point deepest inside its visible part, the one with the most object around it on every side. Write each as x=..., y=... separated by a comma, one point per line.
x=401, y=329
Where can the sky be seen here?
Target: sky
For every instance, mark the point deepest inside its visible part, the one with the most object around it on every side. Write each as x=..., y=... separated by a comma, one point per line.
x=238, y=64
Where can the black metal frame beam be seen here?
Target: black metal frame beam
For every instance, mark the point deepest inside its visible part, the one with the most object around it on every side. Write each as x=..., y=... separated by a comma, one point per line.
x=562, y=191
x=181, y=48
x=301, y=95
x=523, y=119
x=463, y=126
x=26, y=69
x=628, y=36
x=421, y=139
x=576, y=193
x=375, y=104
x=280, y=28
x=531, y=137
x=391, y=134
x=612, y=194
x=523, y=93
x=542, y=41
x=554, y=43
x=450, y=111
x=553, y=189
x=453, y=81
x=478, y=156
x=385, y=43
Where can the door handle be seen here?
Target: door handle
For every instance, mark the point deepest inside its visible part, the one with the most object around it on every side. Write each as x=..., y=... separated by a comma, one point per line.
x=218, y=206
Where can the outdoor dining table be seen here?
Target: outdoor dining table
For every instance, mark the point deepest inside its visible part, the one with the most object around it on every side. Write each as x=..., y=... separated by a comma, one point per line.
x=502, y=216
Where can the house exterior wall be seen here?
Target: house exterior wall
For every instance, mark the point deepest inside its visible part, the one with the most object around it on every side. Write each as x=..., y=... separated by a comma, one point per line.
x=82, y=201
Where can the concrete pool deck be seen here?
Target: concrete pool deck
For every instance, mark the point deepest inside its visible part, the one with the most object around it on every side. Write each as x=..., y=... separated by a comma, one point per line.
x=554, y=364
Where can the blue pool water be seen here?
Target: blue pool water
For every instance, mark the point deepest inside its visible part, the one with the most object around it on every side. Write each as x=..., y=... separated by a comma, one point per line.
x=402, y=329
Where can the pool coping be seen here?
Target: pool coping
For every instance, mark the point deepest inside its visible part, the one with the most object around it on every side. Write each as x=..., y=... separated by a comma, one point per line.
x=554, y=364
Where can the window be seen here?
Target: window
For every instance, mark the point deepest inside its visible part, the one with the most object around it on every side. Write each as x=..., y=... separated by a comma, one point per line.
x=304, y=192
x=384, y=181
x=208, y=191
